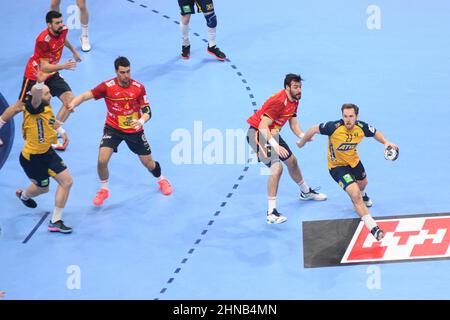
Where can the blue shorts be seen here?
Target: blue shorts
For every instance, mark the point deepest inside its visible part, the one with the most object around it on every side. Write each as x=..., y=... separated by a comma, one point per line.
x=346, y=175
x=187, y=6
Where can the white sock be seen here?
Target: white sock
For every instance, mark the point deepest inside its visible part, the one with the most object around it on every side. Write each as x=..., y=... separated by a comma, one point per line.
x=211, y=36
x=303, y=186
x=363, y=193
x=84, y=30
x=185, y=34
x=272, y=204
x=369, y=222
x=161, y=177
x=104, y=184
x=57, y=213
x=24, y=195
x=2, y=122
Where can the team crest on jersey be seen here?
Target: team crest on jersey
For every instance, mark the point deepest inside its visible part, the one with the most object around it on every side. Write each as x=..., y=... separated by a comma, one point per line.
x=110, y=83
x=47, y=38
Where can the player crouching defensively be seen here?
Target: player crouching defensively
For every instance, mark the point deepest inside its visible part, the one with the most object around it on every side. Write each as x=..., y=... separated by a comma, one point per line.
x=344, y=164
x=264, y=138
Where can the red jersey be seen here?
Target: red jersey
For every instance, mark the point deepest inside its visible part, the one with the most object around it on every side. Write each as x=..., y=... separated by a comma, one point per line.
x=278, y=108
x=124, y=104
x=47, y=47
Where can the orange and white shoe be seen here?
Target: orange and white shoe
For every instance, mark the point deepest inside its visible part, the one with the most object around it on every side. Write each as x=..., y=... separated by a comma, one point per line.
x=101, y=196
x=165, y=187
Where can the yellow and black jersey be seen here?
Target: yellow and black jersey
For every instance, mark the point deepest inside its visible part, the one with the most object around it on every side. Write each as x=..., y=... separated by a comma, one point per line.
x=37, y=129
x=342, y=142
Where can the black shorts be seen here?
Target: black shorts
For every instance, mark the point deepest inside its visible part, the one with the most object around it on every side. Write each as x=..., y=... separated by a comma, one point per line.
x=187, y=6
x=136, y=142
x=346, y=175
x=55, y=83
x=39, y=167
x=263, y=149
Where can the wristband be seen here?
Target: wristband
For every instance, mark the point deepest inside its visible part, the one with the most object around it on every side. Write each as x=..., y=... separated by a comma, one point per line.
x=60, y=130
x=273, y=142
x=302, y=135
x=39, y=85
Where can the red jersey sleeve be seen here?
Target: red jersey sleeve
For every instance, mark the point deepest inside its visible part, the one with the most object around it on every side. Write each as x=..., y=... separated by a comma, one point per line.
x=272, y=109
x=99, y=91
x=142, y=99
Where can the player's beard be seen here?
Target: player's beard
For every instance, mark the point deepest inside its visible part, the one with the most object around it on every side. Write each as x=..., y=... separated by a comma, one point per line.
x=295, y=97
x=124, y=83
x=57, y=32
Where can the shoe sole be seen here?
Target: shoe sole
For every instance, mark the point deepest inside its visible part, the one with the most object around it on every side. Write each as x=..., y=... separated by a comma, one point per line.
x=58, y=230
x=270, y=222
x=221, y=59
x=307, y=199
x=185, y=58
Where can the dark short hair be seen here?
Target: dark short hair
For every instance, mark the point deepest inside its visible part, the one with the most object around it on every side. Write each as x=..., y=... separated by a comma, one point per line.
x=350, y=106
x=292, y=77
x=52, y=15
x=121, y=62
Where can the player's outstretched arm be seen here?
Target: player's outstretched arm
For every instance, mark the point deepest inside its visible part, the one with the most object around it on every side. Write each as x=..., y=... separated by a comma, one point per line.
x=308, y=136
x=79, y=100
x=381, y=139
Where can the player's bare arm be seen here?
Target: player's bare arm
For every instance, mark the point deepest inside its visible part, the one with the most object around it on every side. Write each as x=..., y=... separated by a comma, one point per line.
x=146, y=115
x=295, y=127
x=38, y=89
x=48, y=67
x=74, y=51
x=79, y=100
x=381, y=139
x=308, y=136
x=265, y=131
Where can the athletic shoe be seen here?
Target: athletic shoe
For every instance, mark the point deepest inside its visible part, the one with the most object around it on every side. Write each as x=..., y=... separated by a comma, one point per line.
x=377, y=233
x=275, y=217
x=165, y=187
x=30, y=203
x=367, y=200
x=58, y=226
x=101, y=196
x=216, y=52
x=85, y=45
x=185, y=52
x=59, y=145
x=313, y=195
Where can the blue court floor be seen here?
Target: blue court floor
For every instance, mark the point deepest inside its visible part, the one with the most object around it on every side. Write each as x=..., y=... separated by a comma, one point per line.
x=210, y=240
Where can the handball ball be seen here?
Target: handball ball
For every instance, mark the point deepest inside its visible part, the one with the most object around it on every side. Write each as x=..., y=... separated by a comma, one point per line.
x=390, y=153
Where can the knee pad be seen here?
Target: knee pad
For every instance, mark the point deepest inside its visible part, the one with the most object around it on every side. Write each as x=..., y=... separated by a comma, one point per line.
x=157, y=171
x=211, y=20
